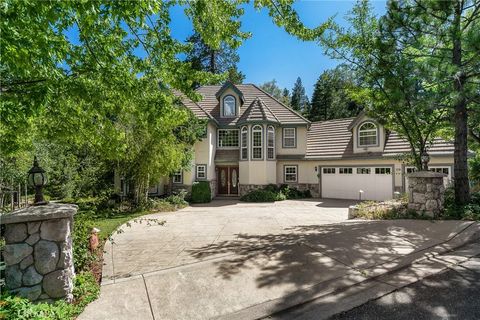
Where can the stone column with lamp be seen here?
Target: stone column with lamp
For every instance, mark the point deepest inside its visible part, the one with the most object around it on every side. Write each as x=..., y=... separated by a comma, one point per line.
x=38, y=247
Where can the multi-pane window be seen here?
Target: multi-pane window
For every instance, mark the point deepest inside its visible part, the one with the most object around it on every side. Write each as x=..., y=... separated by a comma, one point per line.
x=177, y=177
x=201, y=171
x=345, y=170
x=329, y=170
x=227, y=138
x=367, y=134
x=411, y=170
x=257, y=142
x=290, y=173
x=440, y=170
x=289, y=137
x=270, y=142
x=383, y=170
x=363, y=170
x=244, y=151
x=229, y=106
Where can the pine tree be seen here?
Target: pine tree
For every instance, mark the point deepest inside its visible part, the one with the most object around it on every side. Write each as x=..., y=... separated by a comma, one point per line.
x=299, y=100
x=217, y=61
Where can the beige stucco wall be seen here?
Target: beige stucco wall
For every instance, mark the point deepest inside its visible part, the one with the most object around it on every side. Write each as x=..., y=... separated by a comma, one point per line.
x=301, y=141
x=257, y=172
x=205, y=151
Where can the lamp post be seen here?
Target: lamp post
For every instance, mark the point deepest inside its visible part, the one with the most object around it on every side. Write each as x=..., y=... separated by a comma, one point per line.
x=37, y=178
x=425, y=160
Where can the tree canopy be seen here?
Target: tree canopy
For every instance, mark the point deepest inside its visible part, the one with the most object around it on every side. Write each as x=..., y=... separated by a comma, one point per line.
x=332, y=95
x=299, y=100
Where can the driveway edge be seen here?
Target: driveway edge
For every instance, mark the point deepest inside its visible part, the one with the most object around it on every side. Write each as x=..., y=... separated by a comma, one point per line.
x=357, y=288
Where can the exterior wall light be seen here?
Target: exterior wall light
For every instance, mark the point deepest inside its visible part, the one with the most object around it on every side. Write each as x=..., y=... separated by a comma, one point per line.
x=425, y=160
x=37, y=178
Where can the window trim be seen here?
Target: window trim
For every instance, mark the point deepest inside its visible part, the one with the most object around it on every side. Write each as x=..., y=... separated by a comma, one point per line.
x=271, y=129
x=261, y=142
x=285, y=166
x=218, y=138
x=243, y=130
x=177, y=173
x=377, y=134
x=196, y=171
x=234, y=106
x=294, y=138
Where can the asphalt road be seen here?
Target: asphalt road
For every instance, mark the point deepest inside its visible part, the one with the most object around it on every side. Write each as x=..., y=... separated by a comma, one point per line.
x=452, y=294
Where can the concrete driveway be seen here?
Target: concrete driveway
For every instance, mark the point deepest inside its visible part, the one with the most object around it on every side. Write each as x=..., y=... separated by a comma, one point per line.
x=238, y=260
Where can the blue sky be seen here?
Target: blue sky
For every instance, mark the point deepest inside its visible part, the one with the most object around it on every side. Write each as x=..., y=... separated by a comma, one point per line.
x=271, y=53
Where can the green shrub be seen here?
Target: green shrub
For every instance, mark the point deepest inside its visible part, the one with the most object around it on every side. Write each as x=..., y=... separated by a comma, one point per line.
x=82, y=226
x=294, y=193
x=263, y=196
x=201, y=192
x=178, y=199
x=470, y=211
x=85, y=290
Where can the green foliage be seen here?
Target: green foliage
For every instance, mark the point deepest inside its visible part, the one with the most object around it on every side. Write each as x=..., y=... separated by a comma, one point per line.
x=201, y=192
x=272, y=192
x=178, y=199
x=222, y=61
x=260, y=195
x=85, y=290
x=469, y=211
x=333, y=95
x=82, y=227
x=299, y=100
x=474, y=171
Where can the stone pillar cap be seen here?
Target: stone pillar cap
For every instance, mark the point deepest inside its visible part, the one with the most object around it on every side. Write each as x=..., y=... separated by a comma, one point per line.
x=426, y=174
x=37, y=213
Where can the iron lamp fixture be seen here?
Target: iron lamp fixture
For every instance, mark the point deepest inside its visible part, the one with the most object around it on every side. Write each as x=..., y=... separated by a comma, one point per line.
x=37, y=179
x=425, y=160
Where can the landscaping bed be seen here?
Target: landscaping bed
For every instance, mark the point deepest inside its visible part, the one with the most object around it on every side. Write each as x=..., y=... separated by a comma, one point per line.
x=272, y=193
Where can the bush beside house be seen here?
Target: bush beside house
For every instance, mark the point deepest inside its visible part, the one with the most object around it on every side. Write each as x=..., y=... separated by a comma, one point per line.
x=201, y=192
x=273, y=193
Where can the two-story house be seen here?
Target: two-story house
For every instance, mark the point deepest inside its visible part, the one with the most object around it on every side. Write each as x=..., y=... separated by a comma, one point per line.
x=253, y=140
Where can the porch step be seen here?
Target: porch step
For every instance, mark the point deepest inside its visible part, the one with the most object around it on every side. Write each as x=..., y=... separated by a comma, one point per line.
x=226, y=198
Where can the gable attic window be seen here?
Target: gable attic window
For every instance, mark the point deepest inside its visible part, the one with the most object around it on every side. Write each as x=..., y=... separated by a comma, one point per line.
x=229, y=106
x=367, y=134
x=227, y=138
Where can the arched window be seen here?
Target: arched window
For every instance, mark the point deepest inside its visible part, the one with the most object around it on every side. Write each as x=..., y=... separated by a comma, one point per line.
x=257, y=133
x=244, y=140
x=270, y=143
x=229, y=106
x=367, y=134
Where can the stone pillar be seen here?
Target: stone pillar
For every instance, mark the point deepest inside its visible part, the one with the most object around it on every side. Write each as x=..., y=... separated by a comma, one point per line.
x=38, y=252
x=426, y=192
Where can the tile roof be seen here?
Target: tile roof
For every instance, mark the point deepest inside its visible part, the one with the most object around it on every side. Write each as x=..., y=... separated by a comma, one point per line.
x=193, y=106
x=332, y=139
x=281, y=112
x=257, y=111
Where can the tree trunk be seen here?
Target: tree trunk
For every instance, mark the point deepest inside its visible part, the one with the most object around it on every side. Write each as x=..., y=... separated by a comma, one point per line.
x=460, y=169
x=212, y=62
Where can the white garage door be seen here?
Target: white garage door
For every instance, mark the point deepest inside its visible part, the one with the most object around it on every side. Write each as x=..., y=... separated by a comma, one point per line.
x=365, y=183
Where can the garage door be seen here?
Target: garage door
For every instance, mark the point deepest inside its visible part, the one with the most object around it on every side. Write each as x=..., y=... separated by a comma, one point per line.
x=365, y=183
x=447, y=181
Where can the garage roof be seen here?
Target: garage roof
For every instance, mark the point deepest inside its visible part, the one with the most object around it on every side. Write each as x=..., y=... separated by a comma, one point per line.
x=333, y=139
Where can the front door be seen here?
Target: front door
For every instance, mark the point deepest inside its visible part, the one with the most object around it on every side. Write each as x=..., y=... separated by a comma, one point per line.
x=227, y=180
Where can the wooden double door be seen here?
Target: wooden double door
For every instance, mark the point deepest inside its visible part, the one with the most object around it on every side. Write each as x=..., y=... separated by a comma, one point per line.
x=227, y=180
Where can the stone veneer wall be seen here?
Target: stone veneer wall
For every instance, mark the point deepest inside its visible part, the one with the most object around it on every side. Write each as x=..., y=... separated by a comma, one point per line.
x=426, y=192
x=313, y=187
x=38, y=252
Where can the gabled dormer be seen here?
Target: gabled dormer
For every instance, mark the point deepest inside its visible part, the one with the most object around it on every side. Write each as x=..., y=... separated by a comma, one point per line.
x=230, y=99
x=368, y=135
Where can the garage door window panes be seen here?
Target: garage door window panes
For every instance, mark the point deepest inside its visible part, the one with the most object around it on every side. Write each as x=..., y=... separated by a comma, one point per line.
x=363, y=170
x=345, y=170
x=440, y=170
x=329, y=170
x=290, y=173
x=383, y=171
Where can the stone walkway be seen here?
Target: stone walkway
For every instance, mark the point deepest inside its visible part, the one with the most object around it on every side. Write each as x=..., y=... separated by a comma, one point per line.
x=225, y=258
